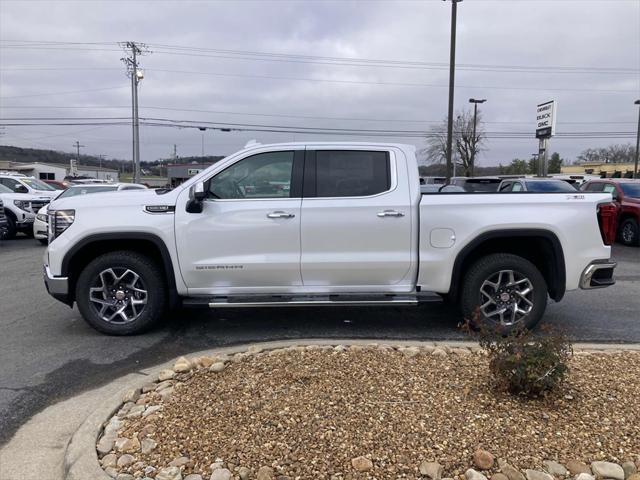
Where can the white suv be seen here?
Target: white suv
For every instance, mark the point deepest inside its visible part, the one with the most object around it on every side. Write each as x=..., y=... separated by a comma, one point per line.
x=20, y=210
x=22, y=184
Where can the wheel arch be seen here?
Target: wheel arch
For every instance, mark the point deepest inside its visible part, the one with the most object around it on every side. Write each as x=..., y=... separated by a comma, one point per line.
x=94, y=245
x=540, y=247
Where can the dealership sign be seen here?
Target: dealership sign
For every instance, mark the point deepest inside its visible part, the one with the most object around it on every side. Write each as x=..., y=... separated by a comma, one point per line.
x=194, y=171
x=546, y=119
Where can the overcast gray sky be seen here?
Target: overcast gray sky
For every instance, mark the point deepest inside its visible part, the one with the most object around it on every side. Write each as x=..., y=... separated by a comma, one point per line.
x=583, y=53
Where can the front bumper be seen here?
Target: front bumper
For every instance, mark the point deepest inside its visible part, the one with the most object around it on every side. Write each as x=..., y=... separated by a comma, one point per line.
x=598, y=274
x=57, y=287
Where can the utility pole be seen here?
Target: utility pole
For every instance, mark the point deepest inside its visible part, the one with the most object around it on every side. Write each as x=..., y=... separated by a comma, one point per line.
x=202, y=129
x=78, y=147
x=134, y=50
x=475, y=121
x=100, y=158
x=635, y=164
x=452, y=72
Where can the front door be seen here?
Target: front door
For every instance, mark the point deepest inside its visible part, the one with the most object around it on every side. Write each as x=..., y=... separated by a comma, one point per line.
x=247, y=238
x=356, y=221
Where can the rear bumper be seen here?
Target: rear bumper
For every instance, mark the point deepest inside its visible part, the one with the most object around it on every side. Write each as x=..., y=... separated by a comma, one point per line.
x=598, y=274
x=57, y=287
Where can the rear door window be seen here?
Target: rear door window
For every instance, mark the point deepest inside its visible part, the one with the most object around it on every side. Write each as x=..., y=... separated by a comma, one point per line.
x=517, y=187
x=594, y=187
x=351, y=173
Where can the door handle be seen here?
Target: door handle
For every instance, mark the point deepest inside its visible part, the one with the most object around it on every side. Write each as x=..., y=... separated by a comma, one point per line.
x=390, y=213
x=280, y=214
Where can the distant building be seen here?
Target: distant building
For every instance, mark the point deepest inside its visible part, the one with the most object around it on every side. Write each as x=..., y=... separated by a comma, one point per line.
x=604, y=169
x=57, y=171
x=179, y=172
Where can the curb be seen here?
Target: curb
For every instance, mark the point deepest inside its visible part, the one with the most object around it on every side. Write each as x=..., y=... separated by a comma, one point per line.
x=80, y=455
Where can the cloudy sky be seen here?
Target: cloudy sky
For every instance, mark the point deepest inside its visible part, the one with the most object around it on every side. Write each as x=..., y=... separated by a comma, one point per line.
x=315, y=64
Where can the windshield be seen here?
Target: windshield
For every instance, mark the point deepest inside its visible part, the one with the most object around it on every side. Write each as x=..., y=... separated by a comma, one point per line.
x=482, y=185
x=83, y=190
x=631, y=189
x=550, y=186
x=36, y=184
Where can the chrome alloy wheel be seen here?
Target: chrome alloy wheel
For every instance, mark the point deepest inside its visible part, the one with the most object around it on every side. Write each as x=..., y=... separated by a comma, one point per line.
x=118, y=295
x=506, y=297
x=627, y=233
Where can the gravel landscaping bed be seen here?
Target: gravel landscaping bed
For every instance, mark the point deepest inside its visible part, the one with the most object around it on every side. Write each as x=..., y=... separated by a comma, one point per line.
x=374, y=412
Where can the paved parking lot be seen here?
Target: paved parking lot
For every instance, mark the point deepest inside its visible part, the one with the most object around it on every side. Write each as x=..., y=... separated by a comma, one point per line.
x=48, y=353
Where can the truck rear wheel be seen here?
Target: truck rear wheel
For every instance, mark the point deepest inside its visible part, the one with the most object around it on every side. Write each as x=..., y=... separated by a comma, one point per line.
x=629, y=233
x=121, y=293
x=504, y=291
x=11, y=231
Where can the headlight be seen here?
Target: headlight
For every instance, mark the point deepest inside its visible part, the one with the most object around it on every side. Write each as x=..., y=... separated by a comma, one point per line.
x=59, y=221
x=22, y=205
x=42, y=217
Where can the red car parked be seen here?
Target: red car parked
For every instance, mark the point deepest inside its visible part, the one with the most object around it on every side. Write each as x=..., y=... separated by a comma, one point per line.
x=56, y=184
x=626, y=196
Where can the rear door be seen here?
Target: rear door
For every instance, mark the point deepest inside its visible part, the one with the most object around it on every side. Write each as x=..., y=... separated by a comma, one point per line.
x=356, y=220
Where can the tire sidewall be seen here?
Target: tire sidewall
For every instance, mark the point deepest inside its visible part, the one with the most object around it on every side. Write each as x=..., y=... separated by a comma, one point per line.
x=636, y=233
x=488, y=266
x=11, y=229
x=150, y=274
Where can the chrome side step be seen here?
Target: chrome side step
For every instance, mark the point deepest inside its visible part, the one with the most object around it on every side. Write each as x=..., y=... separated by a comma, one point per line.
x=301, y=300
x=313, y=303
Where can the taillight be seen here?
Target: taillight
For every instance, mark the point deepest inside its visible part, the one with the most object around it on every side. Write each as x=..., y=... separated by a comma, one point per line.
x=607, y=222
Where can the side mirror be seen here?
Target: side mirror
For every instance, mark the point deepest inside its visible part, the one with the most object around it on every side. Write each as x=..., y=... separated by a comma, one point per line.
x=21, y=189
x=614, y=195
x=196, y=196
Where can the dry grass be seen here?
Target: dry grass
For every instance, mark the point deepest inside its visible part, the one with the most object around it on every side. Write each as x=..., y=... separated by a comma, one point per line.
x=308, y=413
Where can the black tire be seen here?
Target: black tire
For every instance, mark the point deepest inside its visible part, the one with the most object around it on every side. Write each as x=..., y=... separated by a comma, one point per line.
x=11, y=229
x=43, y=241
x=629, y=233
x=152, y=278
x=487, y=268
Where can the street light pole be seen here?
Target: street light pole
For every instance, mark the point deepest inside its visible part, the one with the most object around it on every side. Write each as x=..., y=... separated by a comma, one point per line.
x=202, y=129
x=452, y=72
x=635, y=164
x=475, y=121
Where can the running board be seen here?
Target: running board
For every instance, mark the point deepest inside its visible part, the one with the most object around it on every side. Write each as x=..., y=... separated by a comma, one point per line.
x=261, y=301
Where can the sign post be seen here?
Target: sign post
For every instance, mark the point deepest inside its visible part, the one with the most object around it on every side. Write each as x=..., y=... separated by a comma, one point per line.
x=545, y=129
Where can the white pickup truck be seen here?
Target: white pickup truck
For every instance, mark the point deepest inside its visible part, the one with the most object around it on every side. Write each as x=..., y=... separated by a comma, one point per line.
x=323, y=224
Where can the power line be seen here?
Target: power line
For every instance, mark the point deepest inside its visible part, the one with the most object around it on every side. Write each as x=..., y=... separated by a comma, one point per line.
x=70, y=92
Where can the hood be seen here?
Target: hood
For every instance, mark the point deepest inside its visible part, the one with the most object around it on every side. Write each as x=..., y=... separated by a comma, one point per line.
x=119, y=198
x=26, y=197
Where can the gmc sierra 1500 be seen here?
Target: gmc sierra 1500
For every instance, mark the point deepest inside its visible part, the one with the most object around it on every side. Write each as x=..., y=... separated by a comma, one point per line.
x=323, y=224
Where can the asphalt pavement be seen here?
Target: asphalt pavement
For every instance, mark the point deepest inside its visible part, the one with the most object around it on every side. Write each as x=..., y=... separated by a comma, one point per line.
x=48, y=353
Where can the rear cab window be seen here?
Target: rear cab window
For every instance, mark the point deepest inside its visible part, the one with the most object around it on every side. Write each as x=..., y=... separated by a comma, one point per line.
x=347, y=173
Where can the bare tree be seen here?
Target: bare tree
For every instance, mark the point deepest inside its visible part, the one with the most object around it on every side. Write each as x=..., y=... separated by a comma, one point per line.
x=466, y=147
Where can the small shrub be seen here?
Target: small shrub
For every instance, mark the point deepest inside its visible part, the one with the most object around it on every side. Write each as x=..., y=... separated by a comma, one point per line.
x=527, y=364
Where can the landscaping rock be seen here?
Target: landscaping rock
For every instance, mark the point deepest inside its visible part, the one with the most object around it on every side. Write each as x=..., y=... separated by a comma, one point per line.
x=105, y=444
x=111, y=471
x=265, y=473
x=147, y=445
x=217, y=367
x=221, y=474
x=166, y=375
x=511, y=472
x=439, y=352
x=607, y=470
x=499, y=476
x=483, y=459
x=182, y=365
x=193, y=476
x=169, y=473
x=109, y=460
x=537, y=475
x=125, y=460
x=151, y=410
x=361, y=464
x=131, y=395
x=584, y=476
x=472, y=474
x=204, y=362
x=125, y=476
x=629, y=469
x=162, y=385
x=149, y=470
x=244, y=473
x=179, y=462
x=433, y=470
x=410, y=351
x=136, y=411
x=635, y=476
x=165, y=394
x=576, y=468
x=554, y=468
x=127, y=445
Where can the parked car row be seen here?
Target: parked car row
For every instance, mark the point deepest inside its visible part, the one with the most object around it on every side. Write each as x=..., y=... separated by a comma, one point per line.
x=24, y=202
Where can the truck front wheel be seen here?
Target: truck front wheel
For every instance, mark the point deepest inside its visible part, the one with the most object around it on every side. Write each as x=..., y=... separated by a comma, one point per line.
x=504, y=291
x=121, y=293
